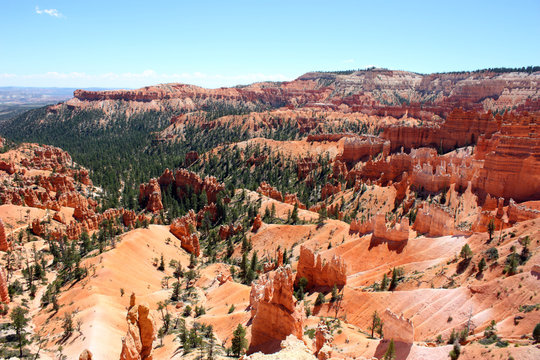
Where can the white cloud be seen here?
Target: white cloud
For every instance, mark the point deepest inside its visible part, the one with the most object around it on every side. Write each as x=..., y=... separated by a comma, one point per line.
x=50, y=12
x=132, y=80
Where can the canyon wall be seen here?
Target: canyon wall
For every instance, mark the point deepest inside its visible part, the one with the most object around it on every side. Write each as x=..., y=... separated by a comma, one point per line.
x=142, y=330
x=320, y=273
x=275, y=312
x=397, y=327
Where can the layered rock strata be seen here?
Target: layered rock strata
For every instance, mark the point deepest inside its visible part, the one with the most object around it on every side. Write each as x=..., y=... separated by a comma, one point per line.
x=275, y=311
x=320, y=273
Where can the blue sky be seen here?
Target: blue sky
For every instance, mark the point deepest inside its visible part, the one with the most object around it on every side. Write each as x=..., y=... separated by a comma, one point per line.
x=223, y=43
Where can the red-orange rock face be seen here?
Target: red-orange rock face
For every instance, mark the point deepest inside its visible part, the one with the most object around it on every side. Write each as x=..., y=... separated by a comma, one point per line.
x=185, y=179
x=257, y=223
x=434, y=221
x=7, y=167
x=360, y=91
x=151, y=193
x=323, y=338
x=383, y=170
x=191, y=157
x=4, y=243
x=377, y=225
x=226, y=231
x=329, y=190
x=58, y=216
x=184, y=229
x=166, y=178
x=400, y=232
x=512, y=156
x=86, y=355
x=276, y=314
x=361, y=226
x=305, y=166
x=319, y=273
x=292, y=199
x=256, y=160
x=154, y=202
x=267, y=190
x=37, y=228
x=518, y=212
x=326, y=137
x=137, y=344
x=397, y=327
x=459, y=129
x=339, y=170
x=362, y=147
x=4, y=294
x=84, y=177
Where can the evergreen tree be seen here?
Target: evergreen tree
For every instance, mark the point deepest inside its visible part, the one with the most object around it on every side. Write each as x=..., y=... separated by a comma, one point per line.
x=18, y=323
x=491, y=229
x=384, y=282
x=455, y=352
x=394, y=281
x=536, y=333
x=239, y=342
x=294, y=215
x=376, y=323
x=390, y=353
x=482, y=265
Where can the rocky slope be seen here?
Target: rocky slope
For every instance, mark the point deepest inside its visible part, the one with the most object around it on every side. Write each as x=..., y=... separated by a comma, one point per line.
x=413, y=194
x=377, y=91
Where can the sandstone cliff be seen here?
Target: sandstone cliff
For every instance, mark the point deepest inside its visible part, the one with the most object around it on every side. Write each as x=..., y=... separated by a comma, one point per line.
x=137, y=344
x=320, y=273
x=433, y=220
x=276, y=314
x=323, y=339
x=4, y=243
x=397, y=327
x=184, y=228
x=4, y=294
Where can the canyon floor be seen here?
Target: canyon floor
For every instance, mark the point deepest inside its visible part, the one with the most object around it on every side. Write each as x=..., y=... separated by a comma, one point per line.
x=313, y=219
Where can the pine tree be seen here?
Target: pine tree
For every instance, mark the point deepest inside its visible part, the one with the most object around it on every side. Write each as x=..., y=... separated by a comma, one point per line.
x=161, y=266
x=384, y=282
x=466, y=252
x=239, y=342
x=390, y=353
x=375, y=323
x=536, y=333
x=176, y=291
x=335, y=294
x=394, y=281
x=455, y=352
x=19, y=322
x=294, y=215
x=491, y=229
x=482, y=265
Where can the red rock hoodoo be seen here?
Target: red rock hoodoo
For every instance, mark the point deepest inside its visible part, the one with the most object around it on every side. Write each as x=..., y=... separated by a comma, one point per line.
x=4, y=293
x=86, y=355
x=4, y=243
x=184, y=228
x=276, y=314
x=320, y=273
x=257, y=223
x=151, y=193
x=270, y=191
x=137, y=344
x=362, y=147
x=323, y=338
x=397, y=328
